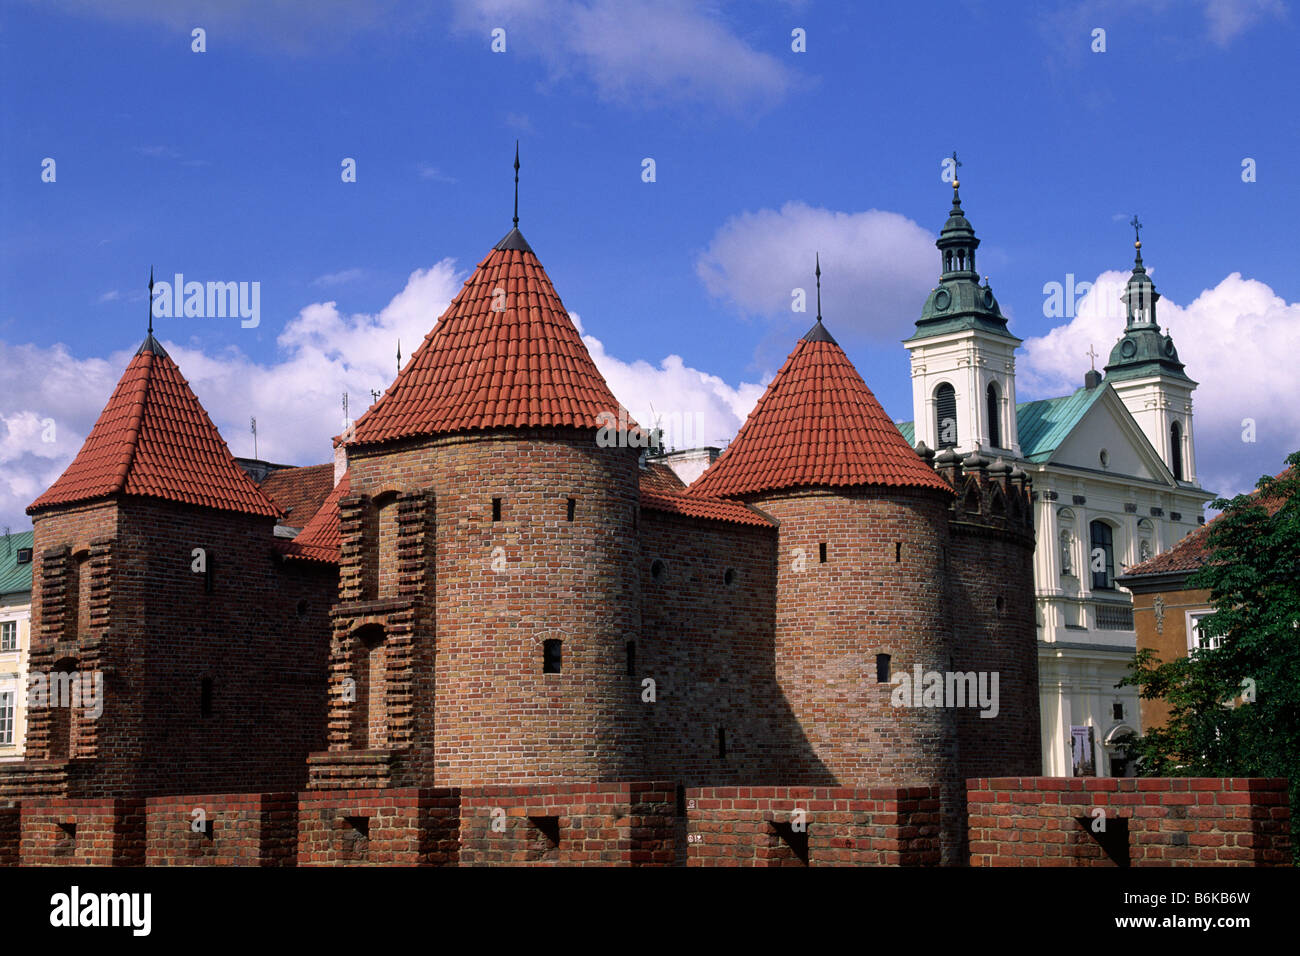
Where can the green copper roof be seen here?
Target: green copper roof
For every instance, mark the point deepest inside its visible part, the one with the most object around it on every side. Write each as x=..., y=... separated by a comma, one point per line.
x=15, y=577
x=1042, y=425
x=1142, y=350
x=959, y=302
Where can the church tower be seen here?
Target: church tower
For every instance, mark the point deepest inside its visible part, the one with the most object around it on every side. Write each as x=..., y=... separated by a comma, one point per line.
x=963, y=357
x=1145, y=372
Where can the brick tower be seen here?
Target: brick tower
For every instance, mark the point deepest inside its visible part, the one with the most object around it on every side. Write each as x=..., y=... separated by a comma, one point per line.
x=860, y=589
x=178, y=653
x=486, y=546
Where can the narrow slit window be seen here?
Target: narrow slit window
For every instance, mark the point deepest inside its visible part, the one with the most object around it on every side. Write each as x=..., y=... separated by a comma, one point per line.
x=205, y=697
x=631, y=658
x=722, y=743
x=552, y=656
x=898, y=551
x=882, y=668
x=573, y=504
x=496, y=509
x=821, y=551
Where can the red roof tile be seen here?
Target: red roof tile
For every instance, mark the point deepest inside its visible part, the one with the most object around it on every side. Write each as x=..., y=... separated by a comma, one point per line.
x=154, y=439
x=698, y=506
x=817, y=425
x=661, y=479
x=505, y=354
x=299, y=492
x=319, y=539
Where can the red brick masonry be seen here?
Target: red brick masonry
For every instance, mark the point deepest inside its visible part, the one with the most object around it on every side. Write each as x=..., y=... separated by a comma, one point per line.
x=1180, y=821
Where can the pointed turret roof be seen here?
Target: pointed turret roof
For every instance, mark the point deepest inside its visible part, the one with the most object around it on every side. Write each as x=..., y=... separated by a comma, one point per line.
x=505, y=354
x=817, y=425
x=154, y=439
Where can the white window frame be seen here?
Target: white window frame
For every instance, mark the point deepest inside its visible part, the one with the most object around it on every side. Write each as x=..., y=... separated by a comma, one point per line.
x=1194, y=631
x=8, y=705
x=6, y=625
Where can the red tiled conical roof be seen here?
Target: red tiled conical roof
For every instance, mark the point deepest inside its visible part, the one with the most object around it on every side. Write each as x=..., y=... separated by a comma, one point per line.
x=155, y=439
x=505, y=354
x=817, y=425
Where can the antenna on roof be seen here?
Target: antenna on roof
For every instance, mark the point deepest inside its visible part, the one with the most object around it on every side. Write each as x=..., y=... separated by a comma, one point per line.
x=818, y=273
x=516, y=184
x=151, y=301
x=252, y=424
x=345, y=410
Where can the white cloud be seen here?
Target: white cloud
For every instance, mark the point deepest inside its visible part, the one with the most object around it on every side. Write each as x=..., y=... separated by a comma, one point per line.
x=338, y=278
x=636, y=52
x=1234, y=339
x=1226, y=19
x=876, y=267
x=112, y=295
x=693, y=407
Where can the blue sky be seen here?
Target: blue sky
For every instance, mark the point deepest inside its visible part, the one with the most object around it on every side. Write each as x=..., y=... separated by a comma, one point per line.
x=225, y=165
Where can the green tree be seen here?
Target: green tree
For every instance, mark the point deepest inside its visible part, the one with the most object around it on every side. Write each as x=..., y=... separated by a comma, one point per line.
x=1235, y=708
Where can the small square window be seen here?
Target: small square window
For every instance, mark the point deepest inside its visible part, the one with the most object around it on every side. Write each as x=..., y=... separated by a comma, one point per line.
x=24, y=556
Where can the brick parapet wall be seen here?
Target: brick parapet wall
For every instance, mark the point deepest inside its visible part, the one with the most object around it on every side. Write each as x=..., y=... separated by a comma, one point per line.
x=83, y=832
x=1178, y=821
x=396, y=827
x=234, y=829
x=844, y=826
x=620, y=824
x=10, y=835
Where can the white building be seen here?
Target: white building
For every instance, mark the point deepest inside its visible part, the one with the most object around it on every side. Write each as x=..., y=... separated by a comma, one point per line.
x=15, y=639
x=1114, y=478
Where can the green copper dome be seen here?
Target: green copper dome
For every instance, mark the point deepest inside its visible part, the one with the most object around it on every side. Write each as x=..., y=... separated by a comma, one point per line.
x=959, y=302
x=1142, y=350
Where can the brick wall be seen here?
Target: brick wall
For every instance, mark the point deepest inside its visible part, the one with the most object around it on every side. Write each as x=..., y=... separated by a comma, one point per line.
x=10, y=835
x=233, y=829
x=842, y=826
x=629, y=824
x=211, y=682
x=708, y=645
x=1179, y=821
x=397, y=827
x=83, y=832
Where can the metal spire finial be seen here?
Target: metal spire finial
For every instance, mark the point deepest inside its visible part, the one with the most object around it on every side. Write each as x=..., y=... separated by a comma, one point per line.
x=516, y=184
x=956, y=165
x=151, y=300
x=1137, y=237
x=1092, y=354
x=399, y=356
x=818, y=273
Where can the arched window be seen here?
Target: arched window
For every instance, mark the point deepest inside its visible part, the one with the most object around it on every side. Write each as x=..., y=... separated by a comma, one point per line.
x=945, y=416
x=995, y=415
x=1176, y=450
x=1101, y=557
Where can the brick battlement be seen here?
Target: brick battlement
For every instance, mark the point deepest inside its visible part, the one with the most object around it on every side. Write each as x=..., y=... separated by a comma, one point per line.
x=1108, y=821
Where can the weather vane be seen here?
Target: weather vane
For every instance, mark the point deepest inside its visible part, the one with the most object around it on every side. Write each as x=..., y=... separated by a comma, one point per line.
x=1137, y=230
x=956, y=165
x=818, y=273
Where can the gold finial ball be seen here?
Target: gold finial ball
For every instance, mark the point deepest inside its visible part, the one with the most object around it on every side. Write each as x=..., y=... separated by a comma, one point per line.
x=1137, y=244
x=955, y=183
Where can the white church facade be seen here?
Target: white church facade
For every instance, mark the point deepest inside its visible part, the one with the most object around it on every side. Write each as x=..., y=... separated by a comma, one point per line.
x=1113, y=467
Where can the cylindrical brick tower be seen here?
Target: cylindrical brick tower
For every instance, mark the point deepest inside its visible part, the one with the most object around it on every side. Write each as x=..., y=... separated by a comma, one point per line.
x=862, y=600
x=501, y=598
